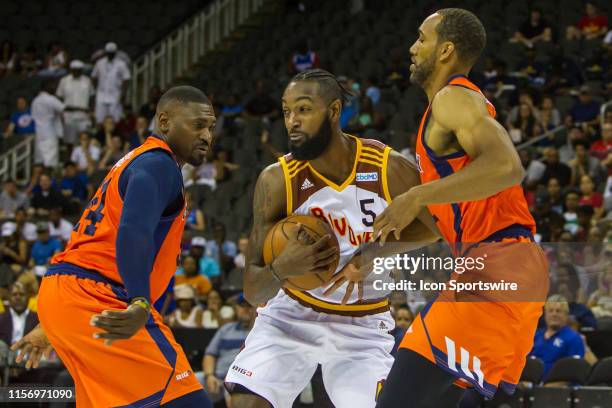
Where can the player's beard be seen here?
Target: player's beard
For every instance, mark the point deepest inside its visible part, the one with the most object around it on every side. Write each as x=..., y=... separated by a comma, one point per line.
x=423, y=71
x=314, y=146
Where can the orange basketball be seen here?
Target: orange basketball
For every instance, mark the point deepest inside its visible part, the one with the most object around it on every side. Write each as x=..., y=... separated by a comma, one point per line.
x=313, y=228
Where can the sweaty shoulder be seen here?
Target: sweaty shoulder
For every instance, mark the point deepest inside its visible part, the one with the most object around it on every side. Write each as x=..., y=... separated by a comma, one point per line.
x=452, y=100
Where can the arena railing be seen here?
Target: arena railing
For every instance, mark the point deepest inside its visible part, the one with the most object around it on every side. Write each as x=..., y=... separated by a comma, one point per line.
x=16, y=162
x=173, y=56
x=540, y=137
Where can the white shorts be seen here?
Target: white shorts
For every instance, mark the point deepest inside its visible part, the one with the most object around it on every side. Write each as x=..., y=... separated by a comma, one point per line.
x=104, y=109
x=288, y=341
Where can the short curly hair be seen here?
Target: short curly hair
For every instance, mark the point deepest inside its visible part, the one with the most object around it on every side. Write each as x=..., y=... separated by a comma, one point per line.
x=463, y=29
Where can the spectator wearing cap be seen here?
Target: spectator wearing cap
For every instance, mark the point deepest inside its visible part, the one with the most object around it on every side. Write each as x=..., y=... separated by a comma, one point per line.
x=208, y=266
x=47, y=112
x=21, y=122
x=76, y=90
x=586, y=109
x=11, y=199
x=223, y=349
x=17, y=321
x=47, y=198
x=112, y=76
x=191, y=276
x=188, y=312
x=13, y=248
x=43, y=248
x=557, y=340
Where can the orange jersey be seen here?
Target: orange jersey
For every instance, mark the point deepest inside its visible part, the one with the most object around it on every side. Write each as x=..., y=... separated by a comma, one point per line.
x=92, y=244
x=470, y=221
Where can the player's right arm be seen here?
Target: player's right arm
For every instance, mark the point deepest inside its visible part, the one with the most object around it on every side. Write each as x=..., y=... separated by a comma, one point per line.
x=262, y=282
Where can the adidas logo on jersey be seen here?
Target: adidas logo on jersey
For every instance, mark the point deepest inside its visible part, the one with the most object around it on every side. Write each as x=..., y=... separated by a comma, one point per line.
x=306, y=184
x=382, y=326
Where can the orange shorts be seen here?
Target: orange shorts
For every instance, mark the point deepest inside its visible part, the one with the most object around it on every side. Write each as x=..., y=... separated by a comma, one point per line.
x=146, y=370
x=480, y=336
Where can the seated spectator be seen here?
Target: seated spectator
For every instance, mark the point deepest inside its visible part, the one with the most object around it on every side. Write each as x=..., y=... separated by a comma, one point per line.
x=303, y=58
x=113, y=153
x=403, y=319
x=524, y=97
x=59, y=227
x=557, y=339
x=11, y=199
x=572, y=202
x=29, y=63
x=73, y=185
x=533, y=69
x=604, y=285
x=591, y=197
x=25, y=229
x=13, y=248
x=223, y=349
x=191, y=276
x=602, y=148
x=140, y=133
x=373, y=90
x=553, y=116
x=533, y=30
x=104, y=135
x=8, y=58
x=56, y=61
x=43, y=249
x=203, y=175
x=585, y=110
x=555, y=198
x=207, y=265
x=554, y=168
x=350, y=109
x=522, y=128
x=16, y=322
x=243, y=245
x=188, y=313
x=585, y=165
x=21, y=122
x=195, y=216
x=48, y=197
x=220, y=249
x=534, y=168
x=262, y=105
x=223, y=166
x=86, y=154
x=568, y=286
x=216, y=313
x=592, y=25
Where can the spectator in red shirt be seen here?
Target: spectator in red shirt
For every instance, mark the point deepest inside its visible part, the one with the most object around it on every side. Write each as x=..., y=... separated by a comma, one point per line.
x=592, y=25
x=603, y=147
x=591, y=197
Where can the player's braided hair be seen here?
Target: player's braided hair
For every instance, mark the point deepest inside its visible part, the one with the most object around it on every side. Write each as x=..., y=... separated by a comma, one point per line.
x=463, y=29
x=329, y=86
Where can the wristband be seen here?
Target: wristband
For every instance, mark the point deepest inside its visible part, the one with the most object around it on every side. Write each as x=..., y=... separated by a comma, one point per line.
x=142, y=302
x=274, y=274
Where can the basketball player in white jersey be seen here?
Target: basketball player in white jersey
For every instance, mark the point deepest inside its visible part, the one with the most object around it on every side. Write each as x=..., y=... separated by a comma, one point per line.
x=343, y=326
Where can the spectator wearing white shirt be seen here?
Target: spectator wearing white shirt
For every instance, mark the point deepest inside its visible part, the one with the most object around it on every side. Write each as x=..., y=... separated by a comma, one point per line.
x=86, y=154
x=111, y=75
x=59, y=227
x=47, y=112
x=76, y=90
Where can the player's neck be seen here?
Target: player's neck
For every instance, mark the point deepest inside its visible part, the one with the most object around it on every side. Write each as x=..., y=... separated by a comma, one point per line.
x=337, y=161
x=440, y=79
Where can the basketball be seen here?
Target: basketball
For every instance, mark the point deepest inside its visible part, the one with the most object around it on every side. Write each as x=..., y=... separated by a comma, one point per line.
x=313, y=228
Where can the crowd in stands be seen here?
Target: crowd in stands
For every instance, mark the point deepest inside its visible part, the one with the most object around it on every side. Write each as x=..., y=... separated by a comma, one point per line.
x=82, y=127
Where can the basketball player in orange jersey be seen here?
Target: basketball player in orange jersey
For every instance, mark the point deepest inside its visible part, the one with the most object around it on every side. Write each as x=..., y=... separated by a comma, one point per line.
x=343, y=326
x=95, y=301
x=470, y=175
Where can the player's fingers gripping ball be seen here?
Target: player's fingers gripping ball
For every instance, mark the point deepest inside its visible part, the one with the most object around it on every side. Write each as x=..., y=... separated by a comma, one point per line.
x=307, y=229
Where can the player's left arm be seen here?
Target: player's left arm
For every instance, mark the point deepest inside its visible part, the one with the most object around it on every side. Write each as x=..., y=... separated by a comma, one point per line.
x=494, y=165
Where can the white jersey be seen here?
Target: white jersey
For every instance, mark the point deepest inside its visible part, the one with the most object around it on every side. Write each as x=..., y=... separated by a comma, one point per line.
x=350, y=209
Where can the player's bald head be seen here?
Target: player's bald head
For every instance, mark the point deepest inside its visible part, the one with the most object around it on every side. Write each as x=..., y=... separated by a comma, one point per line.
x=182, y=95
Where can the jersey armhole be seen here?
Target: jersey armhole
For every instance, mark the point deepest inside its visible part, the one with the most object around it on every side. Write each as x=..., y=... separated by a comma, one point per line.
x=385, y=185
x=288, y=190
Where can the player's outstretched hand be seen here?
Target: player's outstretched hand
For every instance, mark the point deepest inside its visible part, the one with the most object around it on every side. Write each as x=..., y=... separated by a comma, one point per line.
x=398, y=215
x=32, y=347
x=303, y=255
x=354, y=273
x=119, y=325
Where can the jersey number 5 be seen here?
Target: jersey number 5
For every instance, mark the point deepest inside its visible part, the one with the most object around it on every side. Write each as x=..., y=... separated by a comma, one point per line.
x=368, y=213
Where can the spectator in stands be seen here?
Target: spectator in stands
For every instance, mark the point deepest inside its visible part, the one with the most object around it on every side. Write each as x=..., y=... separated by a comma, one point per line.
x=534, y=168
x=557, y=339
x=191, y=276
x=223, y=349
x=604, y=284
x=523, y=126
x=216, y=313
x=21, y=122
x=591, y=197
x=303, y=58
x=554, y=168
x=533, y=30
x=148, y=109
x=127, y=125
x=195, y=216
x=56, y=61
x=602, y=148
x=585, y=165
x=25, y=229
x=13, y=248
x=220, y=249
x=586, y=110
x=59, y=227
x=8, y=58
x=29, y=63
x=549, y=223
x=243, y=245
x=372, y=89
x=86, y=154
x=47, y=112
x=592, y=25
x=568, y=286
x=16, y=322
x=572, y=202
x=261, y=104
x=350, y=109
x=76, y=90
x=223, y=166
x=403, y=319
x=43, y=248
x=555, y=198
x=207, y=265
x=74, y=185
x=548, y=109
x=188, y=313
x=48, y=197
x=11, y=199
x=108, y=130
x=113, y=153
x=111, y=76
x=141, y=132
x=203, y=175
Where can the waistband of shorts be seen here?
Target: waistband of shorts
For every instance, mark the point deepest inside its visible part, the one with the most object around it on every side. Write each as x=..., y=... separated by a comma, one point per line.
x=359, y=309
x=512, y=231
x=66, y=268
